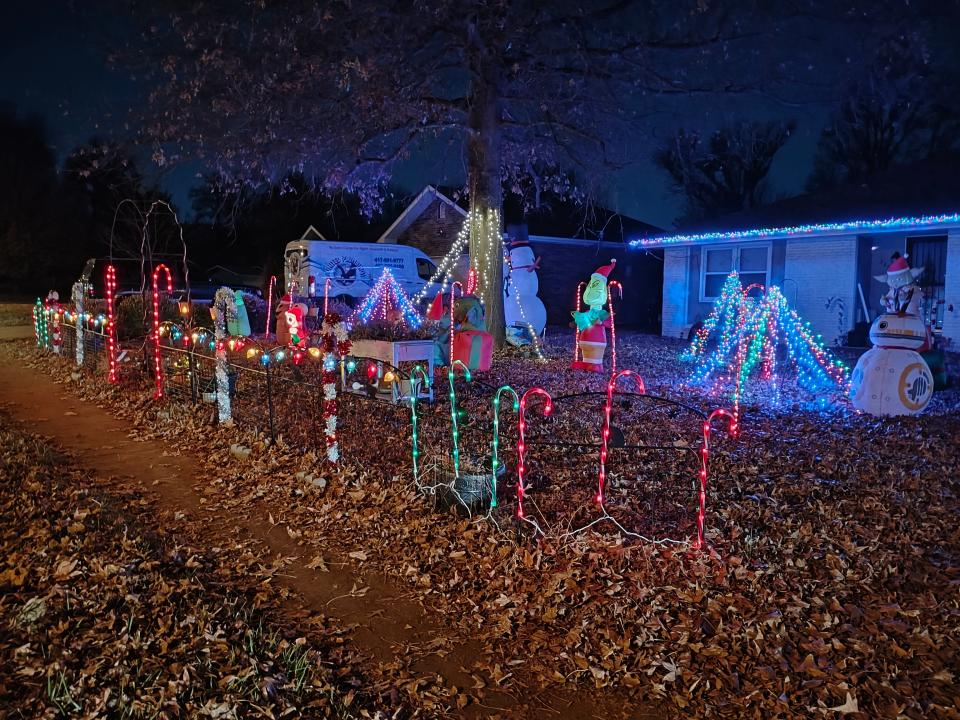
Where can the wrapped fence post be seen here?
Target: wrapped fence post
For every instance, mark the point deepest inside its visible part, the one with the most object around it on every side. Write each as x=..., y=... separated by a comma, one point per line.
x=223, y=301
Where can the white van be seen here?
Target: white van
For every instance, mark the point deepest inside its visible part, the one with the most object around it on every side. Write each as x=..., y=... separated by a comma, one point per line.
x=353, y=268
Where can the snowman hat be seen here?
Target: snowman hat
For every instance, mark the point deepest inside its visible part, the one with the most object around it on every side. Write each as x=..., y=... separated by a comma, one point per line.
x=899, y=272
x=603, y=272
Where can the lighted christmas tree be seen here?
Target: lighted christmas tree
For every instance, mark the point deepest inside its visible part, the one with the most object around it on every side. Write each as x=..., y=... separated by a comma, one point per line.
x=745, y=333
x=387, y=302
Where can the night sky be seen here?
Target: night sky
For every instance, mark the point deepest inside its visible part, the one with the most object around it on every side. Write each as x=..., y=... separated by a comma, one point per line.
x=54, y=64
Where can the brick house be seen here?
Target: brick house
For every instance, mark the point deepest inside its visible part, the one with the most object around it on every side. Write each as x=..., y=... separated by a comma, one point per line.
x=568, y=247
x=824, y=251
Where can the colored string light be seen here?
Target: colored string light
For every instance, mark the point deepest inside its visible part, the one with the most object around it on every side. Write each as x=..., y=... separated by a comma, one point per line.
x=270, y=287
x=326, y=296
x=495, y=461
x=414, y=397
x=605, y=434
x=453, y=412
x=521, y=444
x=385, y=299
x=453, y=289
x=613, y=328
x=577, y=356
x=850, y=226
x=157, y=362
x=733, y=429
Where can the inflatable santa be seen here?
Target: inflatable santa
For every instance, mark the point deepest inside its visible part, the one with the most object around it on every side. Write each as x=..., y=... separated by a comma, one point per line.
x=892, y=378
x=592, y=324
x=522, y=309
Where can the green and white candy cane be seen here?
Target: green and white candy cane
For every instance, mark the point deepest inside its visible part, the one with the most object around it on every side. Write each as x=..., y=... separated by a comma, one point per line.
x=495, y=462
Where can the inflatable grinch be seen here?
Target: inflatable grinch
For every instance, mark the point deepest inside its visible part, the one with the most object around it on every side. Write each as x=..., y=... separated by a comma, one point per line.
x=892, y=378
x=522, y=309
x=592, y=323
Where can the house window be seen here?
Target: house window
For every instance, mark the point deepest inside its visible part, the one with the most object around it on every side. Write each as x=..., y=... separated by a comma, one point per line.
x=717, y=262
x=930, y=253
x=442, y=210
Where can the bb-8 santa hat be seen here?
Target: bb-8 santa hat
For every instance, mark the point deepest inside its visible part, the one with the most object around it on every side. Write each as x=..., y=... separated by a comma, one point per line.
x=899, y=273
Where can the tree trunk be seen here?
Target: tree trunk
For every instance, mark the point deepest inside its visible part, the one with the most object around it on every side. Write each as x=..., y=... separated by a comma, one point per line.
x=483, y=158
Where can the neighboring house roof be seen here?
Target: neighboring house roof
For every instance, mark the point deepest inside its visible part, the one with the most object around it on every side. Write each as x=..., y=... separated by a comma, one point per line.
x=311, y=233
x=919, y=196
x=414, y=210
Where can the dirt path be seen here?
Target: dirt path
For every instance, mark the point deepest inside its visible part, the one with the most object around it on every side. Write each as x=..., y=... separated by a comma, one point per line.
x=386, y=623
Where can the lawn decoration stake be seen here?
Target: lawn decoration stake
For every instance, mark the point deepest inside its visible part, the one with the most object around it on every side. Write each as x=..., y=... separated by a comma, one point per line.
x=592, y=324
x=704, y=462
x=892, y=378
x=605, y=434
x=495, y=461
x=111, y=288
x=521, y=445
x=414, y=396
x=157, y=360
x=454, y=411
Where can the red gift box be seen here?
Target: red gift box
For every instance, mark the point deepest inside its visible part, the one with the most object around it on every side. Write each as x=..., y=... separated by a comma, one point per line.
x=474, y=348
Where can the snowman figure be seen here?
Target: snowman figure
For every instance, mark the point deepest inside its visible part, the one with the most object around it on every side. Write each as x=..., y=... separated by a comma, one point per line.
x=891, y=378
x=522, y=309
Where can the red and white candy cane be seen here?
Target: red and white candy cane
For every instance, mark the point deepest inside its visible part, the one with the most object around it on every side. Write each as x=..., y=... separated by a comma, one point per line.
x=270, y=286
x=326, y=299
x=521, y=444
x=453, y=287
x=111, y=288
x=157, y=364
x=605, y=435
x=576, y=335
x=613, y=327
x=733, y=429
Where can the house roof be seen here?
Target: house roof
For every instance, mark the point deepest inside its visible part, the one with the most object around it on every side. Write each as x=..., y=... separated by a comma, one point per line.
x=414, y=210
x=919, y=196
x=574, y=221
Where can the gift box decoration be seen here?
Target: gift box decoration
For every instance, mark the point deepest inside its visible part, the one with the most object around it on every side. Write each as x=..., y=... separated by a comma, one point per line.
x=474, y=348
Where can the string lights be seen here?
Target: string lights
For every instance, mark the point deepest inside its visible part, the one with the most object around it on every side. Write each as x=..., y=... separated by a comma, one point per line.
x=110, y=285
x=577, y=355
x=748, y=332
x=495, y=461
x=613, y=327
x=605, y=434
x=270, y=287
x=385, y=300
x=521, y=445
x=704, y=464
x=451, y=375
x=453, y=301
x=157, y=361
x=850, y=226
x=414, y=397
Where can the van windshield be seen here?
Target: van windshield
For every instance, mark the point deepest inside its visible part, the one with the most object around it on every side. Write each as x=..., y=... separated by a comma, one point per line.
x=425, y=268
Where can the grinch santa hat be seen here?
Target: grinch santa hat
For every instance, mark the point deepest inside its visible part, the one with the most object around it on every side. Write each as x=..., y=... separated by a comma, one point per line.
x=899, y=273
x=602, y=273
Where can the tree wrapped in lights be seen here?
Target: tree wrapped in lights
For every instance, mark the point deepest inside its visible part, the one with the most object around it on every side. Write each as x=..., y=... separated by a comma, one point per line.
x=387, y=302
x=744, y=333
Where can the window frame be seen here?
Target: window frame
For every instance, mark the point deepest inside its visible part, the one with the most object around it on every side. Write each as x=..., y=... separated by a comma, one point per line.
x=736, y=248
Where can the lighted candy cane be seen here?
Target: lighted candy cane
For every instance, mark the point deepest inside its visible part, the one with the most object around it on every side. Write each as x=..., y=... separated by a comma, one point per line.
x=111, y=287
x=37, y=310
x=613, y=329
x=157, y=364
x=453, y=412
x=453, y=287
x=733, y=429
x=273, y=282
x=576, y=335
x=326, y=297
x=605, y=435
x=471, y=281
x=521, y=445
x=495, y=462
x=414, y=396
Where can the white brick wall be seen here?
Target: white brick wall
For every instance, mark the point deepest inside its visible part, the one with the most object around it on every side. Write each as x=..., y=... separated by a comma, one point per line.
x=951, y=318
x=676, y=289
x=823, y=269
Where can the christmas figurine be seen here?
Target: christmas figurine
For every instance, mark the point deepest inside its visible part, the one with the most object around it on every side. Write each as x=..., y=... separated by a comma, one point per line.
x=592, y=324
x=904, y=295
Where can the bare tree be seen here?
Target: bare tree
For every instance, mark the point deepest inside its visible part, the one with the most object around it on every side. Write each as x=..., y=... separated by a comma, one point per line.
x=727, y=173
x=344, y=91
x=903, y=108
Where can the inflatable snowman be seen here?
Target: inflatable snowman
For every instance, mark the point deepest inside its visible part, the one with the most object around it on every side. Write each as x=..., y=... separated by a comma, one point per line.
x=522, y=309
x=891, y=378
